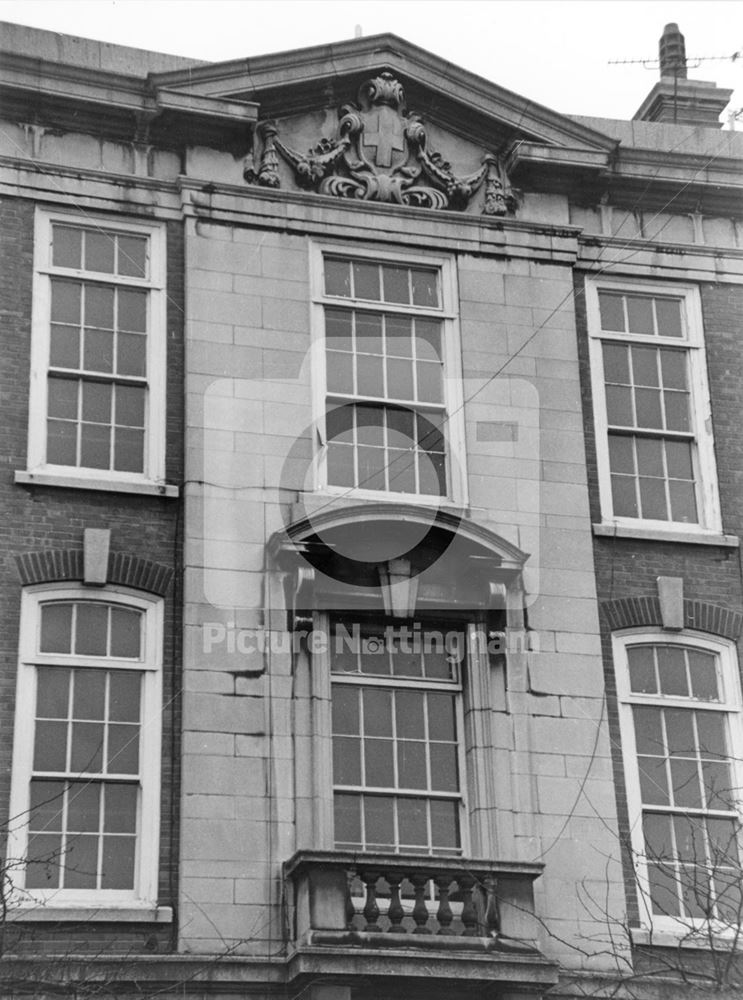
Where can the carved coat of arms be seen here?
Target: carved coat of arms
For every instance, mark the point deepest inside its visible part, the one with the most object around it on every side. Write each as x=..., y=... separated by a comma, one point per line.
x=381, y=154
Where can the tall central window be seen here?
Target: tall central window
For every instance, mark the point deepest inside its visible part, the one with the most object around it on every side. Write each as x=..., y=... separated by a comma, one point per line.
x=387, y=333
x=396, y=693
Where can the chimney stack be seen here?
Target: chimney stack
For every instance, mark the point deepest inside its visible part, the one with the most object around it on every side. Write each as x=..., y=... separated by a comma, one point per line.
x=675, y=98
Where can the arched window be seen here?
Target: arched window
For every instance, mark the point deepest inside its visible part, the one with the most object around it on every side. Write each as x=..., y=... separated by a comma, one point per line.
x=680, y=718
x=86, y=763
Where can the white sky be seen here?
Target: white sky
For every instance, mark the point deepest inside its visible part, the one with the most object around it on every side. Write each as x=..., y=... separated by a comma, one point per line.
x=552, y=51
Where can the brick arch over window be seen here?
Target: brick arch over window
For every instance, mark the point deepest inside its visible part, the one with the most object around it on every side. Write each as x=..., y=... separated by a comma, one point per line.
x=54, y=565
x=634, y=612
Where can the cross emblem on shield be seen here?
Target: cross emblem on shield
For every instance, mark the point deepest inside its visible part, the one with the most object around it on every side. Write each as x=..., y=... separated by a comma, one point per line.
x=383, y=132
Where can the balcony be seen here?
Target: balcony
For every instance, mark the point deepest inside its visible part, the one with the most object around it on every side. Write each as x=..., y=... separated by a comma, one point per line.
x=414, y=916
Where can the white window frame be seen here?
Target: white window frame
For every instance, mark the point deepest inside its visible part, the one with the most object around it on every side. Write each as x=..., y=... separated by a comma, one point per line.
x=684, y=929
x=145, y=892
x=452, y=364
x=155, y=401
x=703, y=454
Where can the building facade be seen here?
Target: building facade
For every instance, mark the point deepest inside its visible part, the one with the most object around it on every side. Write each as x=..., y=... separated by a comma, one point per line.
x=372, y=589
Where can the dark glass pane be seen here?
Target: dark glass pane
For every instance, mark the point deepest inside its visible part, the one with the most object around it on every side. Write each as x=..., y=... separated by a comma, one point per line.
x=132, y=311
x=43, y=868
x=696, y=890
x=120, y=803
x=729, y=896
x=619, y=406
x=432, y=475
x=123, y=695
x=374, y=656
x=66, y=302
x=653, y=781
x=379, y=821
x=53, y=692
x=131, y=354
x=338, y=327
x=346, y=760
x=89, y=697
x=132, y=261
x=672, y=673
x=444, y=824
x=371, y=469
x=648, y=730
x=128, y=450
x=679, y=730
x=337, y=277
x=399, y=378
x=642, y=670
x=46, y=805
x=370, y=424
x=616, y=363
x=429, y=382
x=612, y=313
x=647, y=404
x=83, y=807
x=61, y=443
x=425, y=290
x=411, y=764
x=50, y=746
x=98, y=354
x=685, y=782
x=689, y=835
x=668, y=312
x=67, y=246
x=56, y=628
x=377, y=712
x=95, y=446
x=409, y=713
x=87, y=747
x=395, y=280
x=64, y=347
x=368, y=333
x=62, y=399
x=99, y=306
x=339, y=423
x=441, y=717
x=92, y=629
x=683, y=502
x=640, y=315
x=653, y=499
x=118, y=863
x=340, y=372
x=658, y=842
x=123, y=748
x=429, y=433
x=645, y=366
x=723, y=843
x=673, y=366
x=97, y=402
x=621, y=454
x=406, y=661
x=340, y=465
x=438, y=664
x=125, y=633
x=401, y=471
x=649, y=457
x=81, y=862
x=379, y=769
x=624, y=496
x=717, y=783
x=677, y=411
x=400, y=427
x=444, y=770
x=412, y=819
x=678, y=459
x=711, y=733
x=347, y=815
x=366, y=280
x=100, y=248
x=370, y=375
x=399, y=336
x=428, y=340
x=704, y=684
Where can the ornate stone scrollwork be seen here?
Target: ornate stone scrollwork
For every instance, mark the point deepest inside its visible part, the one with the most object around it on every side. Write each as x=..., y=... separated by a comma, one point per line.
x=381, y=154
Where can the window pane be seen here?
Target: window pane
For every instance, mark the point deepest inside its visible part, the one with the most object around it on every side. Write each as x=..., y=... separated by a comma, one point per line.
x=340, y=372
x=663, y=890
x=616, y=363
x=680, y=731
x=441, y=717
x=62, y=401
x=83, y=807
x=131, y=354
x=640, y=315
x=123, y=749
x=399, y=378
x=677, y=410
x=125, y=633
x=678, y=459
x=653, y=499
x=120, y=808
x=642, y=670
x=95, y=446
x=429, y=381
x=61, y=443
x=81, y=862
x=118, y=863
x=87, y=747
x=43, y=868
x=717, y=783
x=378, y=763
x=341, y=465
x=56, y=628
x=412, y=817
x=346, y=710
x=346, y=760
x=132, y=256
x=128, y=450
x=399, y=336
x=370, y=375
x=409, y=713
x=366, y=280
x=444, y=824
x=377, y=712
x=337, y=277
x=612, y=312
x=425, y=291
x=647, y=404
x=649, y=456
x=379, y=821
x=67, y=246
x=401, y=471
x=371, y=462
x=89, y=699
x=46, y=805
x=658, y=841
x=619, y=406
x=685, y=781
x=50, y=746
x=673, y=365
x=428, y=340
x=338, y=329
x=98, y=351
x=97, y=402
x=672, y=670
x=92, y=629
x=369, y=333
x=132, y=310
x=347, y=820
x=653, y=781
x=411, y=764
x=648, y=730
x=444, y=777
x=124, y=695
x=711, y=730
x=683, y=502
x=52, y=693
x=668, y=312
x=645, y=366
x=64, y=347
x=624, y=496
x=100, y=248
x=99, y=306
x=66, y=302
x=395, y=280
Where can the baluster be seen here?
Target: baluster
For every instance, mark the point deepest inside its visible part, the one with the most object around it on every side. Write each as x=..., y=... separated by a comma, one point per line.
x=469, y=913
x=371, y=910
x=492, y=918
x=395, y=912
x=420, y=910
x=350, y=908
x=444, y=915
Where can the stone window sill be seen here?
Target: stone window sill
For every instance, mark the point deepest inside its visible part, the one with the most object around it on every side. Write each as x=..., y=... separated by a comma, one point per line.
x=91, y=483
x=91, y=914
x=699, y=537
x=682, y=938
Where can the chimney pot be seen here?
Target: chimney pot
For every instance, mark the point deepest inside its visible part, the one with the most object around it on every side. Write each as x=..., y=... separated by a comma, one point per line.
x=672, y=49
